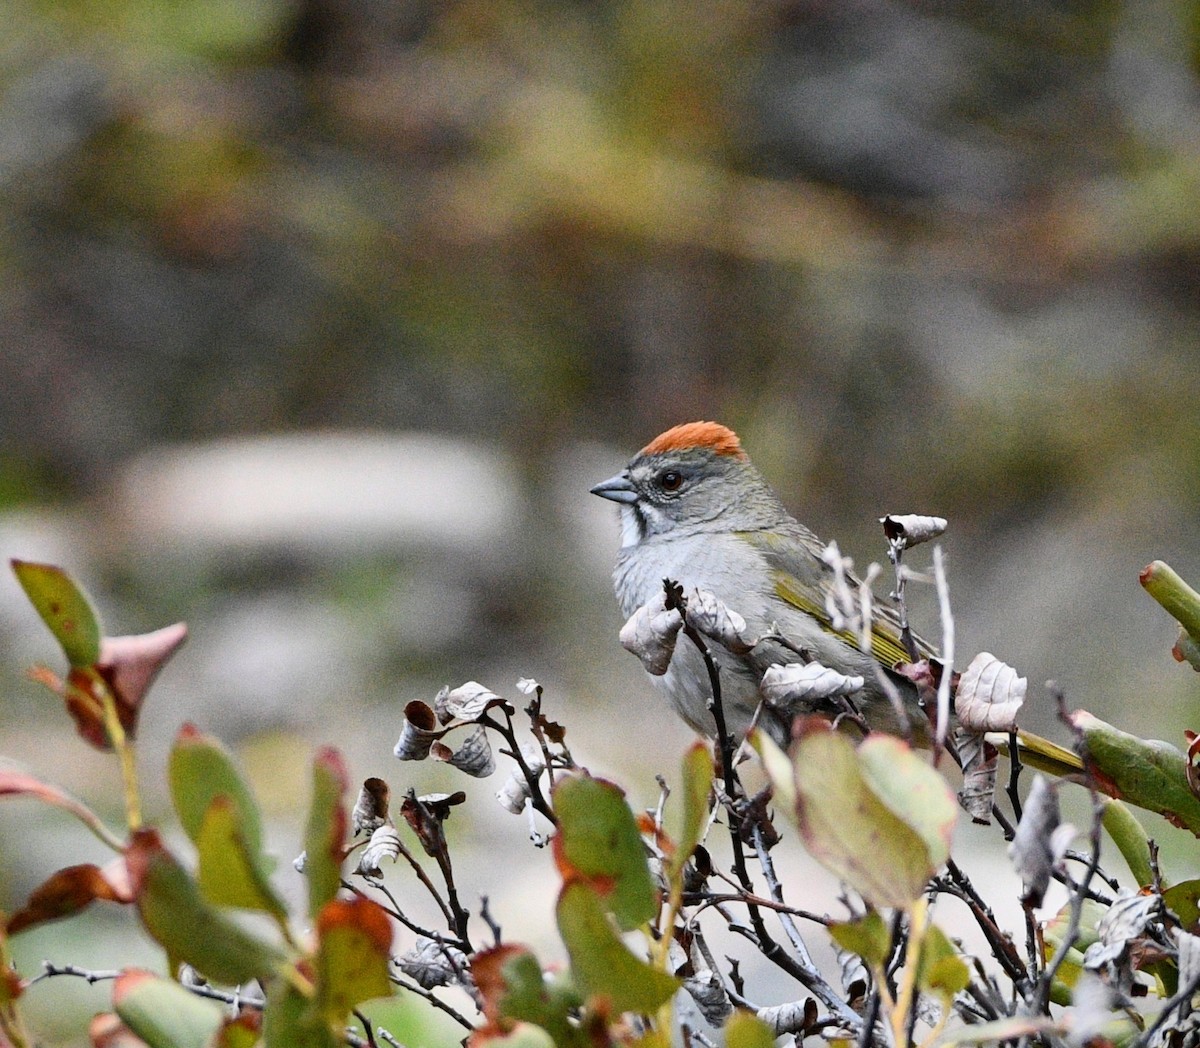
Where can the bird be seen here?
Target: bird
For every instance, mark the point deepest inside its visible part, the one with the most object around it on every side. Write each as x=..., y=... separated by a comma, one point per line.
x=696, y=511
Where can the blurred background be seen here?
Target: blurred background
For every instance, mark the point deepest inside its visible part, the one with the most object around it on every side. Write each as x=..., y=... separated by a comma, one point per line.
x=318, y=318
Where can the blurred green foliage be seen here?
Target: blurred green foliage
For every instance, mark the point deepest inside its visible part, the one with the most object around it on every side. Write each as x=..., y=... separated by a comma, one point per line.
x=516, y=217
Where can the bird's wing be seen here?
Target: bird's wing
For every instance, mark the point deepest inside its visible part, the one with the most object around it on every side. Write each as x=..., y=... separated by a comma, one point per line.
x=799, y=573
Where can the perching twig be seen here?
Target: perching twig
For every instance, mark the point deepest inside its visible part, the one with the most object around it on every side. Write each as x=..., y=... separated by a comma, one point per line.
x=1041, y=994
x=807, y=975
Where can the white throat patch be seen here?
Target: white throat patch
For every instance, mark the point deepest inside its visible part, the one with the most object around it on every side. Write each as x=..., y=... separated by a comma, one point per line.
x=631, y=534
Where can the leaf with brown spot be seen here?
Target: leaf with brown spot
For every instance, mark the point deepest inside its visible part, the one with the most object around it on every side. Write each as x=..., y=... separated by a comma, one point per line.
x=64, y=608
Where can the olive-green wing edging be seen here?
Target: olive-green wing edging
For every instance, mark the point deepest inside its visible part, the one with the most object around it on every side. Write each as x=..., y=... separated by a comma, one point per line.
x=796, y=576
x=885, y=645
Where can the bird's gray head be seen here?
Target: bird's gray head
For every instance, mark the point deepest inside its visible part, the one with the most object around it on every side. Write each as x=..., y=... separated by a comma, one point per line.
x=694, y=477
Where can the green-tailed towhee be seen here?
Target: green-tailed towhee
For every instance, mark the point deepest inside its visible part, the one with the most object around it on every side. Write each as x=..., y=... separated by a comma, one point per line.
x=695, y=510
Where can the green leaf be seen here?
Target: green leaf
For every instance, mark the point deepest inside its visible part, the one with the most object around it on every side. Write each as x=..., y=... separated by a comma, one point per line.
x=199, y=770
x=601, y=964
x=1067, y=976
x=879, y=817
x=869, y=937
x=697, y=785
x=913, y=790
x=221, y=817
x=598, y=843
x=1183, y=900
x=1148, y=773
x=64, y=607
x=186, y=925
x=778, y=766
x=940, y=968
x=325, y=837
x=291, y=1019
x=1179, y=600
x=515, y=990
x=229, y=874
x=1130, y=838
x=746, y=1030
x=354, y=939
x=162, y=1013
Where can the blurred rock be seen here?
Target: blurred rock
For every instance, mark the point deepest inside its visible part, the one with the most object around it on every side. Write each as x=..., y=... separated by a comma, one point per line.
x=324, y=495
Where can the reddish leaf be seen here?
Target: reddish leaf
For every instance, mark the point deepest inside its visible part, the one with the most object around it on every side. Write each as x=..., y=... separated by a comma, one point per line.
x=107, y=1031
x=130, y=664
x=554, y=731
x=515, y=991
x=15, y=783
x=83, y=693
x=125, y=669
x=355, y=938
x=84, y=696
x=129, y=980
x=487, y=968
x=70, y=890
x=366, y=916
x=426, y=814
x=11, y=986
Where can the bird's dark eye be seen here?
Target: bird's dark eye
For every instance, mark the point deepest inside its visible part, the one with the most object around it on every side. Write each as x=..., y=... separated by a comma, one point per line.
x=670, y=480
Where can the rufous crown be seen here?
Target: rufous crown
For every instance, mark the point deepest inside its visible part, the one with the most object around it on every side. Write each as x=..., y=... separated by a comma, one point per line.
x=712, y=435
